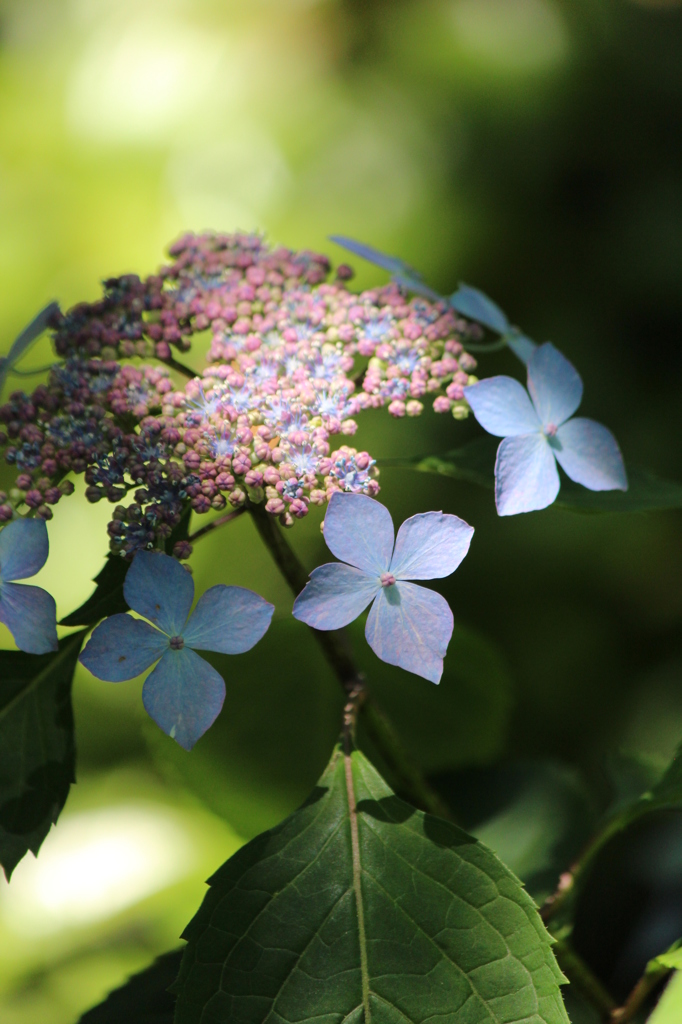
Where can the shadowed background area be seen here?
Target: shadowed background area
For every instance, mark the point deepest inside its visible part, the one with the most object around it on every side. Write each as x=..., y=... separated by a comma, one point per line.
x=530, y=147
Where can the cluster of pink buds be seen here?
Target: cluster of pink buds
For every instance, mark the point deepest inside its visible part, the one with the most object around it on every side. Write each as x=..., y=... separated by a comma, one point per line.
x=292, y=359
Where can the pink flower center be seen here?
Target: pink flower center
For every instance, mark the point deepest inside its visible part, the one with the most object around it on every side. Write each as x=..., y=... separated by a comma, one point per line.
x=551, y=429
x=387, y=579
x=177, y=643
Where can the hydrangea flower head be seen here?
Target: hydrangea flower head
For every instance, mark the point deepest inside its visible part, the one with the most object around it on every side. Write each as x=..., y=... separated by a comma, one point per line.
x=28, y=612
x=183, y=694
x=408, y=625
x=538, y=432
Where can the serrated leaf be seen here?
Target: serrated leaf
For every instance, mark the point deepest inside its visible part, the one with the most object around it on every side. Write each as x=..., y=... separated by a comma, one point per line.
x=360, y=908
x=37, y=750
x=475, y=463
x=107, y=598
x=144, y=999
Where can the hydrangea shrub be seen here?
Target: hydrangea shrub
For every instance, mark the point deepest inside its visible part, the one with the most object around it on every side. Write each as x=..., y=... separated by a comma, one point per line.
x=360, y=906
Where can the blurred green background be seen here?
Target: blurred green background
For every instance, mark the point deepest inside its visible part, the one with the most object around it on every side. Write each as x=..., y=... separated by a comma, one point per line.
x=530, y=147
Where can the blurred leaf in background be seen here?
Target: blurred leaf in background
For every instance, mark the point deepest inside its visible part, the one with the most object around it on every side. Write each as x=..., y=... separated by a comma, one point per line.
x=526, y=146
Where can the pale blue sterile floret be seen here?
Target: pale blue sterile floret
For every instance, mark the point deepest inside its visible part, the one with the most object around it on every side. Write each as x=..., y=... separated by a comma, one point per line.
x=408, y=625
x=28, y=612
x=538, y=432
x=183, y=694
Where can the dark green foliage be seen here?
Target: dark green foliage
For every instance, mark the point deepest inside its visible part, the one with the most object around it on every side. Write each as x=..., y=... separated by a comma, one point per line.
x=37, y=750
x=475, y=463
x=107, y=598
x=144, y=999
x=408, y=919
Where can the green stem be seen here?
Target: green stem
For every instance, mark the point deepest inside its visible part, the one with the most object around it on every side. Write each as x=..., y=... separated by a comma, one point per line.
x=338, y=652
x=568, y=881
x=216, y=523
x=640, y=993
x=577, y=972
x=180, y=367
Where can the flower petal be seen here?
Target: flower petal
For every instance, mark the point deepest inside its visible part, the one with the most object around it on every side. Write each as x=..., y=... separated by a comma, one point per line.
x=476, y=305
x=359, y=530
x=335, y=595
x=554, y=384
x=526, y=477
x=158, y=587
x=184, y=696
x=502, y=406
x=229, y=620
x=122, y=647
x=590, y=455
x=430, y=545
x=23, y=549
x=411, y=626
x=30, y=614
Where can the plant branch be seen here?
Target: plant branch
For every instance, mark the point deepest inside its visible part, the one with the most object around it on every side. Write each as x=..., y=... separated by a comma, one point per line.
x=180, y=367
x=215, y=524
x=650, y=980
x=568, y=880
x=577, y=972
x=338, y=652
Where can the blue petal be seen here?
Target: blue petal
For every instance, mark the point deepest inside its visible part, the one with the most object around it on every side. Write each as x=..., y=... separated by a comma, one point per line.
x=502, y=406
x=475, y=305
x=590, y=455
x=554, y=384
x=429, y=546
x=30, y=615
x=521, y=346
x=402, y=272
x=23, y=549
x=359, y=530
x=526, y=477
x=158, y=587
x=410, y=626
x=122, y=647
x=24, y=341
x=184, y=696
x=335, y=595
x=229, y=620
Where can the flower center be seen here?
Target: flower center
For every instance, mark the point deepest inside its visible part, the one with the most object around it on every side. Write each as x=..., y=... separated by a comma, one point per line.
x=387, y=579
x=177, y=643
x=551, y=429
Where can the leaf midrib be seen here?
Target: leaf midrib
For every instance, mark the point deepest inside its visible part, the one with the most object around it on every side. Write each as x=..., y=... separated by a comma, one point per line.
x=357, y=882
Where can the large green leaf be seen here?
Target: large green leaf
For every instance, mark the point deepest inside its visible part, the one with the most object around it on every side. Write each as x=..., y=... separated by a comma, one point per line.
x=360, y=908
x=475, y=463
x=282, y=712
x=37, y=750
x=144, y=999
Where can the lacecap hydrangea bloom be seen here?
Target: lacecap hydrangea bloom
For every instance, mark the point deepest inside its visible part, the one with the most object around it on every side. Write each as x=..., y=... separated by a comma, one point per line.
x=183, y=694
x=294, y=358
x=408, y=625
x=28, y=612
x=538, y=432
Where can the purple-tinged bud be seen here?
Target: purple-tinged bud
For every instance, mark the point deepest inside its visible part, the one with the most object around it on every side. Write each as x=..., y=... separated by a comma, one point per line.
x=33, y=498
x=44, y=512
x=6, y=513
x=218, y=501
x=52, y=495
x=201, y=504
x=387, y=579
x=414, y=408
x=441, y=404
x=23, y=482
x=275, y=506
x=397, y=408
x=93, y=494
x=182, y=549
x=66, y=487
x=236, y=497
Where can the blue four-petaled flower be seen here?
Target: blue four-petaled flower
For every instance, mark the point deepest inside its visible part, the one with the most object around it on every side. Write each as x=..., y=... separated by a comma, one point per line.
x=538, y=432
x=183, y=694
x=408, y=625
x=28, y=612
